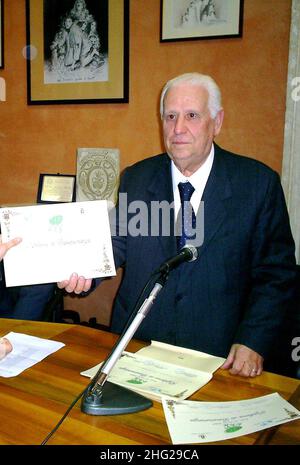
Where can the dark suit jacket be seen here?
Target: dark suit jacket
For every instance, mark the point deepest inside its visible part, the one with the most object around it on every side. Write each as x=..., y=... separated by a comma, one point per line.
x=24, y=302
x=239, y=287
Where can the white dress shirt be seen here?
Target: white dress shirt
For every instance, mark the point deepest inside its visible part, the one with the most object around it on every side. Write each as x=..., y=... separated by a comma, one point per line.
x=197, y=179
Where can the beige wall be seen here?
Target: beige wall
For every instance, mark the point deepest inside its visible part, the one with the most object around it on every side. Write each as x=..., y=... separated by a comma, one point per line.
x=251, y=72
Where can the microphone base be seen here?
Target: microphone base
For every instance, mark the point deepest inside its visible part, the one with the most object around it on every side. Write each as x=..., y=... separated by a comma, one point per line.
x=113, y=400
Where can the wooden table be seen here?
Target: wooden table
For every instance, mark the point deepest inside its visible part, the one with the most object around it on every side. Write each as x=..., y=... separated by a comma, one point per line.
x=33, y=402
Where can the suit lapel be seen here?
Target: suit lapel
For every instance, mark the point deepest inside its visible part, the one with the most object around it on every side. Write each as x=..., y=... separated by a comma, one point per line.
x=161, y=189
x=216, y=191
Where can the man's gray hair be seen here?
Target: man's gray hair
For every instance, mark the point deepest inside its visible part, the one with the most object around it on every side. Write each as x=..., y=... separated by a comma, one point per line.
x=214, y=93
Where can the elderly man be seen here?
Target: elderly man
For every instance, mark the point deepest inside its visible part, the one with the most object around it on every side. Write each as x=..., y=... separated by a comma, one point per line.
x=231, y=301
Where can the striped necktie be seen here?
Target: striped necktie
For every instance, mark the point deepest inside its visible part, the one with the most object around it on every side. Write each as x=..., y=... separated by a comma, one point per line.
x=188, y=217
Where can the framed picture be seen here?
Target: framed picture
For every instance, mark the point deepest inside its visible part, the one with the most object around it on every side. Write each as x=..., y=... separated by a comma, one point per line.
x=200, y=19
x=56, y=188
x=1, y=34
x=77, y=51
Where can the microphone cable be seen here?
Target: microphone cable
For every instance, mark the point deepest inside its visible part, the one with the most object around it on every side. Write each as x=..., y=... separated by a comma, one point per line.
x=63, y=417
x=95, y=377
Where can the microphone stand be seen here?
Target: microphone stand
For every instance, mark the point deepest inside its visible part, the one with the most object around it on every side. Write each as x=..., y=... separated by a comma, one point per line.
x=105, y=398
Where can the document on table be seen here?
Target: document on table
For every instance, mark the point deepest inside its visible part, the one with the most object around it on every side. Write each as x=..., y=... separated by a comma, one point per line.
x=162, y=370
x=191, y=422
x=27, y=351
x=181, y=356
x=57, y=240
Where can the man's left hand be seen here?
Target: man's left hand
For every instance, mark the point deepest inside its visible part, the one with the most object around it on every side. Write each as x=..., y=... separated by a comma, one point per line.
x=243, y=361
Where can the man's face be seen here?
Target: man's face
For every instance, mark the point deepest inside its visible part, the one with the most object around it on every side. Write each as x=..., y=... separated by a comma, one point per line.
x=188, y=127
x=68, y=23
x=79, y=6
x=93, y=40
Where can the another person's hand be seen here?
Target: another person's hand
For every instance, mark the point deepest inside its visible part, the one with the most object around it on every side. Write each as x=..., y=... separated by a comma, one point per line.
x=5, y=246
x=5, y=347
x=76, y=284
x=243, y=361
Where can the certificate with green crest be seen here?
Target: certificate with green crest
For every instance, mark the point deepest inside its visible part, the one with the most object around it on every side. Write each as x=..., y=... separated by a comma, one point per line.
x=57, y=240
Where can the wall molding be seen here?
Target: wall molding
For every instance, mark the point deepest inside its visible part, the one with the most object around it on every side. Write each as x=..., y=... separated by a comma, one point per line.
x=291, y=151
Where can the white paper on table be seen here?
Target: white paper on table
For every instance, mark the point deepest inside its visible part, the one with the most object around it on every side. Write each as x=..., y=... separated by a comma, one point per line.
x=181, y=356
x=162, y=370
x=27, y=351
x=57, y=240
x=191, y=422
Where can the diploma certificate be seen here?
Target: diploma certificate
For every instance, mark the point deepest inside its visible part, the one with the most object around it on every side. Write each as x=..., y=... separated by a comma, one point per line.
x=57, y=240
x=191, y=422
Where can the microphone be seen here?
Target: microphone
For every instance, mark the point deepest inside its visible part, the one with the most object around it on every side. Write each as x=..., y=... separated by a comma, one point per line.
x=105, y=398
x=188, y=253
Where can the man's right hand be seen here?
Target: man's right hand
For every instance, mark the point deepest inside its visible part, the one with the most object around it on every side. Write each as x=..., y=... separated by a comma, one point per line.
x=77, y=284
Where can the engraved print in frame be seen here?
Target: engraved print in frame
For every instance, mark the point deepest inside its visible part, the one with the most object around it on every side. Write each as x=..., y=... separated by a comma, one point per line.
x=78, y=51
x=200, y=19
x=98, y=172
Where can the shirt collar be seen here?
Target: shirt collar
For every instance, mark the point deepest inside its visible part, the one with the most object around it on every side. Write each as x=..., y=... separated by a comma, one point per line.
x=199, y=177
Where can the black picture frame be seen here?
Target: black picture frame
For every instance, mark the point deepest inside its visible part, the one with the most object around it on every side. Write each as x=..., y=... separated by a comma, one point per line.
x=63, y=188
x=1, y=34
x=60, y=74
x=200, y=19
